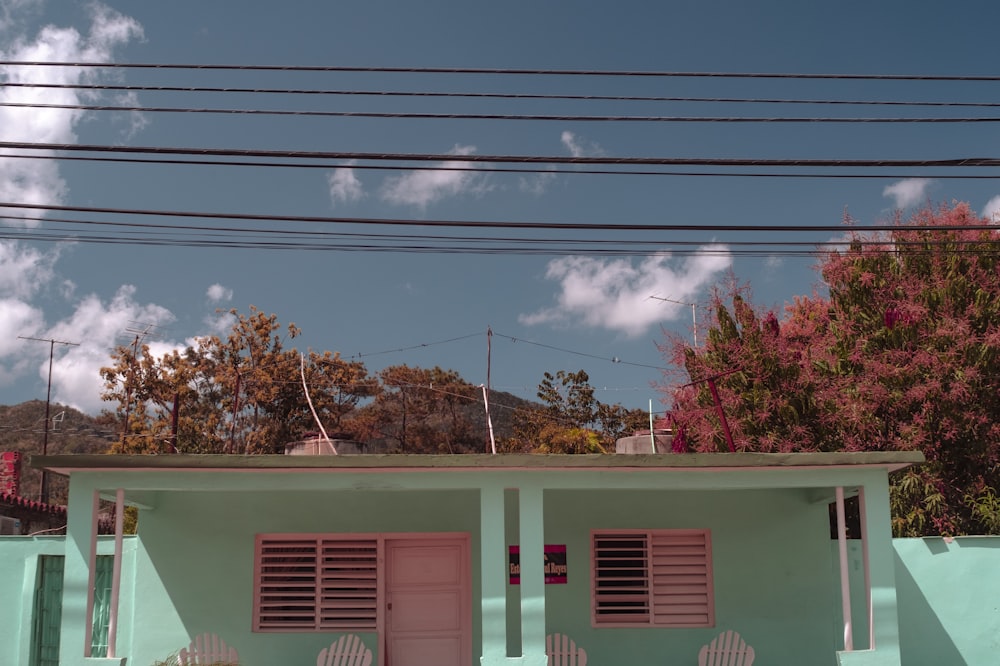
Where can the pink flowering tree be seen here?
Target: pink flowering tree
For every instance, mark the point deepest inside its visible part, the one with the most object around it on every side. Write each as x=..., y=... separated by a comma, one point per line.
x=901, y=352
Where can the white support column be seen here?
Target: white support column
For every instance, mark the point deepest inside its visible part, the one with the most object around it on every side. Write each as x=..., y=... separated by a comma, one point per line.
x=91, y=573
x=868, y=568
x=493, y=575
x=845, y=579
x=532, y=545
x=116, y=573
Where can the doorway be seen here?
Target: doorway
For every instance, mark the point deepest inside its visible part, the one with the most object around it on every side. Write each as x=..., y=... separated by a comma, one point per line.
x=428, y=602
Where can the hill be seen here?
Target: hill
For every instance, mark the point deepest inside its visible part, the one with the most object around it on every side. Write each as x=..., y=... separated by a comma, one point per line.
x=22, y=428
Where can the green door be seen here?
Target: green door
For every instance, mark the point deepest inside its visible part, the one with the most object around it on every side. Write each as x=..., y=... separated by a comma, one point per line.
x=48, y=609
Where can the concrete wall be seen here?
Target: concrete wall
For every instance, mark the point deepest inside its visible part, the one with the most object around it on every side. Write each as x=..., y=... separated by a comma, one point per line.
x=770, y=562
x=202, y=580
x=774, y=580
x=19, y=560
x=949, y=600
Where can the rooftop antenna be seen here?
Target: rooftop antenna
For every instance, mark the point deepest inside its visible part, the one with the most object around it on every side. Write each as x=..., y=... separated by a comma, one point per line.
x=694, y=318
x=141, y=331
x=43, y=490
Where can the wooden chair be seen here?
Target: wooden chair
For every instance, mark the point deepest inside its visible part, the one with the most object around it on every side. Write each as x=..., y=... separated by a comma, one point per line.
x=207, y=649
x=726, y=649
x=348, y=650
x=562, y=651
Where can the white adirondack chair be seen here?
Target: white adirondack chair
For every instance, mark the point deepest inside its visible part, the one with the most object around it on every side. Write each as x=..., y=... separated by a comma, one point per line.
x=207, y=648
x=726, y=649
x=562, y=651
x=348, y=650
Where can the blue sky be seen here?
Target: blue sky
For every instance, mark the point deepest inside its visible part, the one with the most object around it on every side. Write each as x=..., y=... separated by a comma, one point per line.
x=547, y=312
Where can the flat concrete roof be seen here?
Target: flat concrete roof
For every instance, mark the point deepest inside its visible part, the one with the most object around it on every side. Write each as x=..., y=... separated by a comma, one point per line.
x=68, y=464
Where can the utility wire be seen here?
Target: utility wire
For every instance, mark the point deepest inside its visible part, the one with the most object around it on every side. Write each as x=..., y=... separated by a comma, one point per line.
x=499, y=71
x=508, y=159
x=500, y=116
x=490, y=169
x=503, y=224
x=495, y=95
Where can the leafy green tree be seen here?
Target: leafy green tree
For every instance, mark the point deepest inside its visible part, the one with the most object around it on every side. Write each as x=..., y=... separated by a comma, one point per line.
x=238, y=394
x=419, y=410
x=903, y=353
x=571, y=419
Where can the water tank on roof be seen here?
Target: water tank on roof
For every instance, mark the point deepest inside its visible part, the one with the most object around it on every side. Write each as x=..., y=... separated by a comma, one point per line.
x=317, y=446
x=661, y=441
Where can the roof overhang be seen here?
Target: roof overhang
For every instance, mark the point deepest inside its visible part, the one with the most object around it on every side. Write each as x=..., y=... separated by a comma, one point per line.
x=69, y=464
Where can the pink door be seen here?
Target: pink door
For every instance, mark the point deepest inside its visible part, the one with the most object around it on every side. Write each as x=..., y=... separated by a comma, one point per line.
x=428, y=618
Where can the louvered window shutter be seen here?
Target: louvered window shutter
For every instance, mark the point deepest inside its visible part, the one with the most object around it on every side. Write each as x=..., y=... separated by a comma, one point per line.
x=653, y=577
x=348, y=585
x=315, y=584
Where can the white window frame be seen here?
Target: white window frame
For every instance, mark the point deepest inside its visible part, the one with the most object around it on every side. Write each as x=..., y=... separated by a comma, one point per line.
x=662, y=578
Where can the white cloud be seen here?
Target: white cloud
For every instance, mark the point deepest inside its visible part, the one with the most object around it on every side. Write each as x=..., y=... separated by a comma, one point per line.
x=535, y=184
x=344, y=186
x=218, y=293
x=992, y=210
x=909, y=192
x=24, y=271
x=37, y=181
x=96, y=327
x=219, y=323
x=773, y=263
x=615, y=294
x=578, y=147
x=421, y=188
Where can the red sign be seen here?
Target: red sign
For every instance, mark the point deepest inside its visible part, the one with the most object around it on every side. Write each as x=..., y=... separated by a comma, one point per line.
x=556, y=571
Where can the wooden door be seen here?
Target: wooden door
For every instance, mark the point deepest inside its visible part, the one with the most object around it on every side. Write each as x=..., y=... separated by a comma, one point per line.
x=428, y=612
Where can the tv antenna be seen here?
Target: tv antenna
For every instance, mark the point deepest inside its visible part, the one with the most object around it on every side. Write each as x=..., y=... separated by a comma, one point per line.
x=694, y=319
x=43, y=490
x=140, y=331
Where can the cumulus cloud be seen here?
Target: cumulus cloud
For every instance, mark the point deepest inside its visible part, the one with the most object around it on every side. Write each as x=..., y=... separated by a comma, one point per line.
x=615, y=294
x=218, y=293
x=422, y=188
x=38, y=181
x=344, y=185
x=24, y=272
x=578, y=147
x=28, y=274
x=95, y=326
x=535, y=184
x=909, y=192
x=992, y=210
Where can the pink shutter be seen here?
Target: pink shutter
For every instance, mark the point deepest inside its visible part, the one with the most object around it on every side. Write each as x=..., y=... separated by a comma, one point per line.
x=285, y=589
x=681, y=576
x=348, y=576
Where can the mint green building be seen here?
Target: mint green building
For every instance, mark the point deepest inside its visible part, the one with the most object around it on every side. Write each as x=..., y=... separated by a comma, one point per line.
x=473, y=559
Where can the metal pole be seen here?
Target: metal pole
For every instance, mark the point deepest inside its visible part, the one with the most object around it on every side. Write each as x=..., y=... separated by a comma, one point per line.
x=43, y=489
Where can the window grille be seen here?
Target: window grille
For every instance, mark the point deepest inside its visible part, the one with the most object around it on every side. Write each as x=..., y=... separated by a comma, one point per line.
x=315, y=584
x=652, y=578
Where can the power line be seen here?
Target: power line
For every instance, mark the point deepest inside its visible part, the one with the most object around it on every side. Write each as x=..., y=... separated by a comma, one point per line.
x=496, y=95
x=502, y=224
x=510, y=159
x=491, y=169
x=500, y=71
x=503, y=116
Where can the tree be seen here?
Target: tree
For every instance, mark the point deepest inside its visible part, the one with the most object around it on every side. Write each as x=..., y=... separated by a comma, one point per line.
x=419, y=410
x=238, y=394
x=903, y=353
x=571, y=419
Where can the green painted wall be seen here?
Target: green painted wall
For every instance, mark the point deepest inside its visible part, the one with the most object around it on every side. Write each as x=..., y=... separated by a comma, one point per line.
x=771, y=556
x=19, y=559
x=949, y=601
x=202, y=579
x=774, y=583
